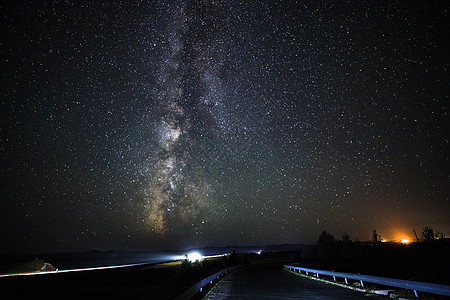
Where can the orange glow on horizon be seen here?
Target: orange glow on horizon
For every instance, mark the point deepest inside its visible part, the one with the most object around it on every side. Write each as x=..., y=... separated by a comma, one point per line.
x=399, y=236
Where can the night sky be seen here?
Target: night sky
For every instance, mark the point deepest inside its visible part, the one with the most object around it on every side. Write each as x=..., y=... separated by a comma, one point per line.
x=150, y=125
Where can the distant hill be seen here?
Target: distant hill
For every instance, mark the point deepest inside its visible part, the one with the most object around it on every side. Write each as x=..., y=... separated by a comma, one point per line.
x=246, y=249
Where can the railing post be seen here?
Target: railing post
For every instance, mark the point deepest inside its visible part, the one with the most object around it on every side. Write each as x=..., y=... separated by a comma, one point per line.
x=415, y=294
x=334, y=278
x=201, y=289
x=346, y=281
x=362, y=284
x=317, y=275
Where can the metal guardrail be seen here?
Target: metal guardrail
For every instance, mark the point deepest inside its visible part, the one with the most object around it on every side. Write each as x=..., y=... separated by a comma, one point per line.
x=198, y=287
x=432, y=288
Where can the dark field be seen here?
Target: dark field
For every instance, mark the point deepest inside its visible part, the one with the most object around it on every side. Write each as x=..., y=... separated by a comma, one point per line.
x=153, y=281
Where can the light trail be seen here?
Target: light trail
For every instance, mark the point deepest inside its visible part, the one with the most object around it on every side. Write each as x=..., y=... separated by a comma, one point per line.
x=73, y=270
x=173, y=259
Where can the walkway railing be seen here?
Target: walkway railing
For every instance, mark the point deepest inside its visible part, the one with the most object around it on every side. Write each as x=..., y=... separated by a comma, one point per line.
x=198, y=287
x=432, y=288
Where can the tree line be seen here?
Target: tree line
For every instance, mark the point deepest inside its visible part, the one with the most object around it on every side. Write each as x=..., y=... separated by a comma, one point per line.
x=329, y=247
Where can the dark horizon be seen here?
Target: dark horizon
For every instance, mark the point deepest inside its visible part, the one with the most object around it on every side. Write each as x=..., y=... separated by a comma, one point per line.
x=183, y=124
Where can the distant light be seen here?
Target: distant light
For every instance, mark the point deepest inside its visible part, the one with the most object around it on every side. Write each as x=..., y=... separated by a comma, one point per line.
x=186, y=256
x=194, y=256
x=405, y=241
x=259, y=252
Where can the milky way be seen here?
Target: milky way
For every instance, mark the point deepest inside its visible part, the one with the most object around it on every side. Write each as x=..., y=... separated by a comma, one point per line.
x=171, y=193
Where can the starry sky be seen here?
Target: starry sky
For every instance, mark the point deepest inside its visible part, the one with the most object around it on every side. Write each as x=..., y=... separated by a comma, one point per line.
x=149, y=125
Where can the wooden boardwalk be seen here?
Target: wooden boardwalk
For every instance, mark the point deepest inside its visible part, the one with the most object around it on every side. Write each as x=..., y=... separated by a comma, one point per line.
x=267, y=281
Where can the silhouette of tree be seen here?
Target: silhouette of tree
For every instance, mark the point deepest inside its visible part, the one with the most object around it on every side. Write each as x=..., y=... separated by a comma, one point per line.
x=234, y=259
x=439, y=235
x=346, y=238
x=326, y=246
x=376, y=238
x=347, y=246
x=429, y=234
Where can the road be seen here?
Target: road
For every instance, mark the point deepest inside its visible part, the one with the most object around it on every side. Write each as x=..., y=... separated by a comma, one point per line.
x=270, y=281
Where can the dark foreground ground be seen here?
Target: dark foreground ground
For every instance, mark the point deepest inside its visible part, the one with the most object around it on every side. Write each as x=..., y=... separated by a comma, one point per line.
x=152, y=282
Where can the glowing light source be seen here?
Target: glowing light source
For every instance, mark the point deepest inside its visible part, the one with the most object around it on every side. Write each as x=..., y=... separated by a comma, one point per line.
x=194, y=256
x=405, y=241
